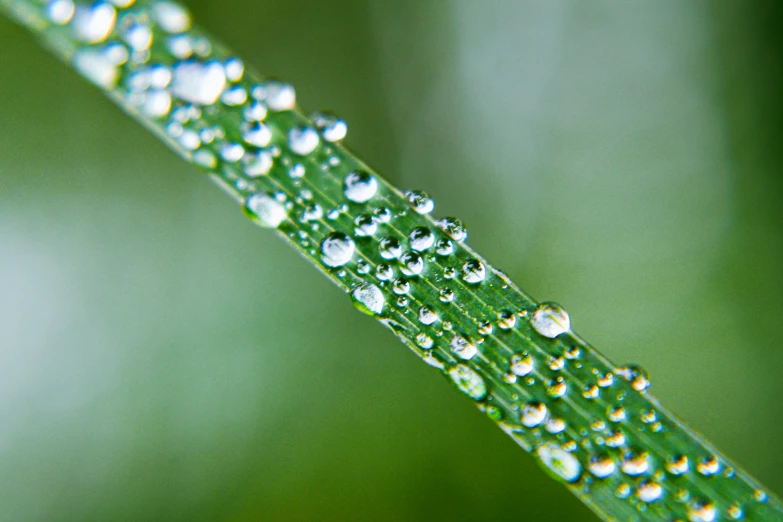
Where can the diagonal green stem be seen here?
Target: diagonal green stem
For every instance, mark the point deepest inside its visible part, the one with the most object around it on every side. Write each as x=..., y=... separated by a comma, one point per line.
x=591, y=425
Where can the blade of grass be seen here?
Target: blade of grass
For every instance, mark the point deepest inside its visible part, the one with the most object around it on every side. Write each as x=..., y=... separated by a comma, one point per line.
x=592, y=426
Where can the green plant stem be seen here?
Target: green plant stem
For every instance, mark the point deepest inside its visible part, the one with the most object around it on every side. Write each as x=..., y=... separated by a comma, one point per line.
x=591, y=425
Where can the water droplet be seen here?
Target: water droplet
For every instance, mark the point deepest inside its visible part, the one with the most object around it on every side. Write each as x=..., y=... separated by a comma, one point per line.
x=368, y=298
x=337, y=249
x=198, y=83
x=521, y=364
x=420, y=201
x=303, y=140
x=279, y=96
x=138, y=37
x=485, y=328
x=401, y=286
x=265, y=210
x=615, y=439
x=231, y=152
x=605, y=380
x=463, y=348
x=468, y=381
x=60, y=12
x=424, y=341
x=635, y=463
x=556, y=388
x=636, y=375
x=454, y=228
x=384, y=272
x=446, y=295
x=506, y=320
x=533, y=414
x=558, y=461
x=421, y=238
x=256, y=111
x=93, y=24
x=572, y=352
x=735, y=512
x=677, y=464
x=554, y=425
x=427, y=316
x=257, y=134
x=258, y=164
x=359, y=186
x=444, y=247
x=331, y=127
x=649, y=491
x=156, y=104
x=708, y=466
x=366, y=225
x=383, y=214
x=390, y=248
x=473, y=271
x=616, y=413
x=702, y=511
x=411, y=263
x=171, y=17
x=601, y=465
x=550, y=320
x=96, y=67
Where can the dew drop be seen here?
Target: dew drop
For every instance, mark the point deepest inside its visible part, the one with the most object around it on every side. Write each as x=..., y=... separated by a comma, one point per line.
x=463, y=348
x=556, y=388
x=506, y=320
x=411, y=263
x=420, y=201
x=601, y=465
x=258, y=164
x=60, y=12
x=444, y=247
x=446, y=295
x=454, y=228
x=427, y=316
x=265, y=210
x=635, y=463
x=138, y=37
x=559, y=462
x=424, y=341
x=303, y=140
x=677, y=464
x=708, y=466
x=235, y=68
x=280, y=96
x=616, y=413
x=636, y=375
x=93, y=24
x=554, y=425
x=390, y=248
x=96, y=67
x=421, y=238
x=198, y=83
x=401, y=286
x=257, y=134
x=157, y=103
x=533, y=414
x=337, y=249
x=231, y=152
x=171, y=17
x=384, y=272
x=468, y=381
x=702, y=511
x=550, y=320
x=256, y=111
x=330, y=126
x=473, y=271
x=368, y=298
x=366, y=225
x=521, y=364
x=649, y=491
x=359, y=186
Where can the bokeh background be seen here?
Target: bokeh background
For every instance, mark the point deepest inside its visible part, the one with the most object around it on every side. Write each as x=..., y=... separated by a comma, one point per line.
x=163, y=359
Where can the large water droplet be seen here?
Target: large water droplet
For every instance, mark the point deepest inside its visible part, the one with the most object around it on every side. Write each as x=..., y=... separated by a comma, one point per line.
x=199, y=83
x=390, y=248
x=468, y=381
x=264, y=209
x=427, y=316
x=420, y=201
x=635, y=463
x=533, y=414
x=411, y=263
x=521, y=364
x=473, y=271
x=560, y=462
x=454, y=228
x=421, y=238
x=368, y=298
x=359, y=186
x=649, y=491
x=550, y=320
x=337, y=249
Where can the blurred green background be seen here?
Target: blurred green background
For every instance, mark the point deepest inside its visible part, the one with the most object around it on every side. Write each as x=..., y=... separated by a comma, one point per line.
x=163, y=359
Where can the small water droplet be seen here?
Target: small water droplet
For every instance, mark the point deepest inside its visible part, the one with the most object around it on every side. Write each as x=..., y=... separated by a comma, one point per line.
x=550, y=320
x=677, y=464
x=708, y=465
x=302, y=140
x=60, y=12
x=279, y=96
x=401, y=286
x=331, y=127
x=446, y=295
x=700, y=510
x=601, y=465
x=636, y=375
x=390, y=248
x=554, y=425
x=265, y=210
x=94, y=23
x=533, y=414
x=424, y=341
x=468, y=381
x=473, y=271
x=366, y=225
x=616, y=413
x=557, y=387
x=171, y=17
x=454, y=228
x=359, y=186
x=368, y=298
x=427, y=316
x=444, y=247
x=411, y=263
x=559, y=462
x=233, y=96
x=257, y=134
x=337, y=249
x=383, y=214
x=420, y=201
x=635, y=463
x=521, y=364
x=421, y=238
x=312, y=212
x=506, y=320
x=197, y=82
x=96, y=67
x=649, y=491
x=384, y=272
x=256, y=111
x=463, y=348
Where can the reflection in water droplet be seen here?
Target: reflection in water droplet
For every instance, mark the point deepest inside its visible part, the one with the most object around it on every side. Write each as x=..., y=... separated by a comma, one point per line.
x=337, y=249
x=420, y=201
x=359, y=186
x=390, y=248
x=454, y=228
x=677, y=464
x=331, y=127
x=533, y=414
x=601, y=465
x=636, y=375
x=473, y=271
x=635, y=463
x=550, y=320
x=302, y=140
x=444, y=247
x=463, y=348
x=265, y=210
x=411, y=263
x=468, y=381
x=198, y=83
x=649, y=491
x=368, y=298
x=521, y=364
x=421, y=238
x=700, y=510
x=560, y=462
x=427, y=316
x=279, y=96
